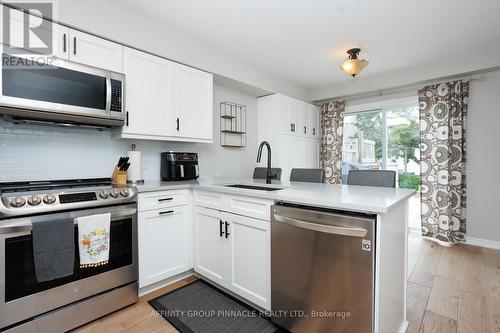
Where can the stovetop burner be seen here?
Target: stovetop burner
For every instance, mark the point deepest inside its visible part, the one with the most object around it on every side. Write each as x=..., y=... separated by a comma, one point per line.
x=28, y=198
x=52, y=184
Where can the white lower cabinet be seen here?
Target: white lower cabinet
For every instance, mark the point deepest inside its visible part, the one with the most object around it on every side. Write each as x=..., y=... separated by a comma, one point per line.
x=209, y=244
x=165, y=243
x=249, y=263
x=234, y=251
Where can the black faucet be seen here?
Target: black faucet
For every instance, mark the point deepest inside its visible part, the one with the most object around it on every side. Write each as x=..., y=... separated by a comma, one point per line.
x=269, y=174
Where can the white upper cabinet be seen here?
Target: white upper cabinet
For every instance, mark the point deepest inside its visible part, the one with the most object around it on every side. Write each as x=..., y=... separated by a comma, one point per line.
x=60, y=34
x=193, y=94
x=60, y=41
x=295, y=141
x=314, y=116
x=148, y=94
x=94, y=51
x=165, y=100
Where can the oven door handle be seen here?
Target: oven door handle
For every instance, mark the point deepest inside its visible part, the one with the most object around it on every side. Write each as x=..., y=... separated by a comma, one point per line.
x=25, y=224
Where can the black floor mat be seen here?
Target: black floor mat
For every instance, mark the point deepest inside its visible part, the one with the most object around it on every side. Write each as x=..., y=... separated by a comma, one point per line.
x=200, y=307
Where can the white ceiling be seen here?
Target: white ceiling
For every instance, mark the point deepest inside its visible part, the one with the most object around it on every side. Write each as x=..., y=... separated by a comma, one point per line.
x=305, y=40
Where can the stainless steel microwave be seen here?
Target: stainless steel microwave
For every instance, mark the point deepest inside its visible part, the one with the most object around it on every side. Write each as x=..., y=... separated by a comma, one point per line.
x=53, y=89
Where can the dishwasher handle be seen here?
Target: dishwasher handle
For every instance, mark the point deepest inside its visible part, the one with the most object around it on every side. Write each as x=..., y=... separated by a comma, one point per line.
x=330, y=229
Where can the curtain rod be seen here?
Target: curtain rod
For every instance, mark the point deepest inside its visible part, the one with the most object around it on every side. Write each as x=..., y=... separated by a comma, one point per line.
x=472, y=76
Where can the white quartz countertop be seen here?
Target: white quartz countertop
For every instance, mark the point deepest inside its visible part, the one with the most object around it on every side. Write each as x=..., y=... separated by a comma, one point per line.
x=366, y=199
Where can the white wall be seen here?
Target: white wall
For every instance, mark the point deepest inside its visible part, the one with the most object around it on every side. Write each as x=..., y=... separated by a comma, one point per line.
x=118, y=23
x=37, y=152
x=466, y=63
x=483, y=158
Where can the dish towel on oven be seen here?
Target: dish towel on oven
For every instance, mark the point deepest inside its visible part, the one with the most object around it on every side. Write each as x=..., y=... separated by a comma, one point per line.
x=93, y=239
x=53, y=249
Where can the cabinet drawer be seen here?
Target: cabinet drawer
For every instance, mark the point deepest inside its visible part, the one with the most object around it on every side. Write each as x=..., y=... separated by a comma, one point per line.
x=162, y=199
x=250, y=206
x=208, y=199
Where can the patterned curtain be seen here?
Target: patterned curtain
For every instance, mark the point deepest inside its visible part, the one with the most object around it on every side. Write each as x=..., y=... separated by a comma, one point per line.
x=443, y=111
x=332, y=122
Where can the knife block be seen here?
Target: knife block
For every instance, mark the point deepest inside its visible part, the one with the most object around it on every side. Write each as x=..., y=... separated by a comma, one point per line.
x=119, y=177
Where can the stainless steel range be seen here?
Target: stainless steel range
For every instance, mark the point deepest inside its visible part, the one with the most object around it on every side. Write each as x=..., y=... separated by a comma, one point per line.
x=27, y=305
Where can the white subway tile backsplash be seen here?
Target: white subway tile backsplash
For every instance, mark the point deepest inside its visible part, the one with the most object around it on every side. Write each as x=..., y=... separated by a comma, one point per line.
x=41, y=152
x=38, y=152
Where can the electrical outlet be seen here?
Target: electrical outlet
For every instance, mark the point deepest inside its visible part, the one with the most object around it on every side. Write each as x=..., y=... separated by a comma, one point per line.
x=145, y=164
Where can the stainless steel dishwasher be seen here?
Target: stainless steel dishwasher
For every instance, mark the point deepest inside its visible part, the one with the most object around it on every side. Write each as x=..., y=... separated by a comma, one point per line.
x=322, y=270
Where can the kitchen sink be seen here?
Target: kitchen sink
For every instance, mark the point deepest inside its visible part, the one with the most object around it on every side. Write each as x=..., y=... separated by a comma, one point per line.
x=253, y=187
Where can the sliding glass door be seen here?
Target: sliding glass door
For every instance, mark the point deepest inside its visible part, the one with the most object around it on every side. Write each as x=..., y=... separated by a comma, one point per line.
x=383, y=136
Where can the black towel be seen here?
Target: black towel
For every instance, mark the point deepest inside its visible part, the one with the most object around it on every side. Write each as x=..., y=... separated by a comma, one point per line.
x=53, y=249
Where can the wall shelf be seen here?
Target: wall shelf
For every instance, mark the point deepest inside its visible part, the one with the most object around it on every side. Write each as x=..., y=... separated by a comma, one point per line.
x=232, y=125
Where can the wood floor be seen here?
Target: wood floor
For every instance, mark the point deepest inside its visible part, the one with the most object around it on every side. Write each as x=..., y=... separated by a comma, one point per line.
x=450, y=289
x=137, y=318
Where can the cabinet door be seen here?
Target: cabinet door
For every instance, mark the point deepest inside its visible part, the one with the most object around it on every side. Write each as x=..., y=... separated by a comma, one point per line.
x=209, y=244
x=294, y=117
x=60, y=34
x=193, y=94
x=314, y=121
x=95, y=51
x=305, y=126
x=164, y=244
x=249, y=258
x=148, y=95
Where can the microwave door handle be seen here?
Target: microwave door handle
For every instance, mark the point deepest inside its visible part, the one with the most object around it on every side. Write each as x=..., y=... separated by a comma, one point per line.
x=108, y=95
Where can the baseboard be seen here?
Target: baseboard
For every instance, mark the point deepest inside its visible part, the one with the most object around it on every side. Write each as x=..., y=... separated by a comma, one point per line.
x=163, y=283
x=404, y=327
x=482, y=242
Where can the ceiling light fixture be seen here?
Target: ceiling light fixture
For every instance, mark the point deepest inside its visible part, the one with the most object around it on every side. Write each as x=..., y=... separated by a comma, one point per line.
x=353, y=66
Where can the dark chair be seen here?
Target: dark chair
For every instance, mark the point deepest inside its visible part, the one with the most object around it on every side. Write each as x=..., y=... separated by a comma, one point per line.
x=260, y=173
x=379, y=178
x=307, y=175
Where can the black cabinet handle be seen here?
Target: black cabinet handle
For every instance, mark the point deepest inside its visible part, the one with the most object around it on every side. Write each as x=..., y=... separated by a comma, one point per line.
x=221, y=233
x=165, y=199
x=305, y=129
x=227, y=233
x=127, y=117
x=314, y=131
x=74, y=45
x=165, y=212
x=64, y=42
x=177, y=126
x=292, y=127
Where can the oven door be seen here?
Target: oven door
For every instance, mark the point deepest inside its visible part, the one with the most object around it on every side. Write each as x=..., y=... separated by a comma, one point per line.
x=59, y=90
x=22, y=297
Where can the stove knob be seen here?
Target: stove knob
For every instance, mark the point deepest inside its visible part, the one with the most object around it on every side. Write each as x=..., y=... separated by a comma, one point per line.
x=104, y=194
x=34, y=200
x=114, y=193
x=124, y=193
x=17, y=202
x=49, y=199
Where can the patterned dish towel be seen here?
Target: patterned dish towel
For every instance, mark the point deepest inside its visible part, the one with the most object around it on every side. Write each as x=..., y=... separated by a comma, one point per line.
x=93, y=239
